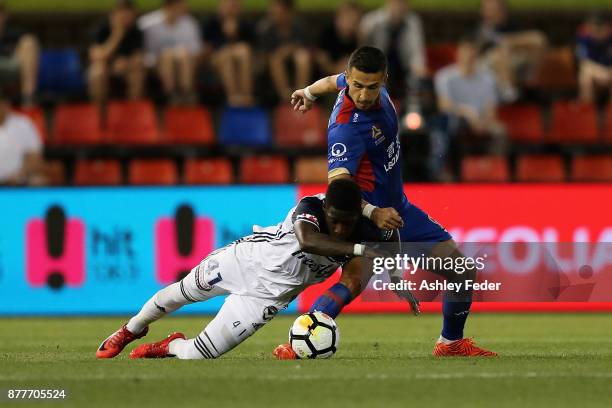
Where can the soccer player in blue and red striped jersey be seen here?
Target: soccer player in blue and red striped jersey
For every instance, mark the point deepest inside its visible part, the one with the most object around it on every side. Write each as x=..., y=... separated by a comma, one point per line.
x=364, y=144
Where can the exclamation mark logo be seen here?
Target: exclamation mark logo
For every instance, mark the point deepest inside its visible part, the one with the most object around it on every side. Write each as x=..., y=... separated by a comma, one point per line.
x=55, y=250
x=181, y=243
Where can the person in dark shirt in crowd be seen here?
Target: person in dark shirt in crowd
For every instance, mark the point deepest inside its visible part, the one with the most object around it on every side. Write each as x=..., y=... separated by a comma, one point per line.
x=398, y=31
x=117, y=50
x=282, y=39
x=19, y=56
x=339, y=39
x=512, y=53
x=594, y=52
x=229, y=37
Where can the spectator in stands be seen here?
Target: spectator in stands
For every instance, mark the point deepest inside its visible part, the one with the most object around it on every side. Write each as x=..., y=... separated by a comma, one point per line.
x=594, y=52
x=20, y=148
x=117, y=50
x=282, y=39
x=339, y=39
x=230, y=37
x=467, y=101
x=19, y=56
x=397, y=31
x=513, y=53
x=173, y=44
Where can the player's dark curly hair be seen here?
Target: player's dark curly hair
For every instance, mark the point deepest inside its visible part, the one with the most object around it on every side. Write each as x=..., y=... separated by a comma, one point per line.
x=369, y=60
x=344, y=194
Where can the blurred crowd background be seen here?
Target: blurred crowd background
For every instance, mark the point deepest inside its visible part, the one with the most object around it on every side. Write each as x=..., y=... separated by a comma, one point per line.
x=179, y=96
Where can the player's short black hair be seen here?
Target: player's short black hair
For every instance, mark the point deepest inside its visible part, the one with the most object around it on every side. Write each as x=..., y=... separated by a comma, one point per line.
x=344, y=194
x=369, y=60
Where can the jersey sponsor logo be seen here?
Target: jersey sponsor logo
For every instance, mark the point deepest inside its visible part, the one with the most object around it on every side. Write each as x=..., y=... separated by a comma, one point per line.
x=338, y=149
x=317, y=269
x=394, y=156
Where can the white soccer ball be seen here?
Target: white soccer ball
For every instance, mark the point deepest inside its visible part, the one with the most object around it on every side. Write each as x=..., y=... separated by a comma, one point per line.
x=314, y=335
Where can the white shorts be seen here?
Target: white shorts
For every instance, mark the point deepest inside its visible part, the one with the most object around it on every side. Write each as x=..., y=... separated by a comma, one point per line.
x=241, y=314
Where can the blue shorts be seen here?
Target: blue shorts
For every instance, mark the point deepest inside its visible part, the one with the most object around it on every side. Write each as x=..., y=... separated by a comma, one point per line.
x=420, y=227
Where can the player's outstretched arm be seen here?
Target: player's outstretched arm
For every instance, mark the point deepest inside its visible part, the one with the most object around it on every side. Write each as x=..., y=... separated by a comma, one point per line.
x=314, y=242
x=302, y=99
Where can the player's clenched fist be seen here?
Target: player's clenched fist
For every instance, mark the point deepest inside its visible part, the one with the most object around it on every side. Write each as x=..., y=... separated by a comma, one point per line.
x=387, y=218
x=300, y=102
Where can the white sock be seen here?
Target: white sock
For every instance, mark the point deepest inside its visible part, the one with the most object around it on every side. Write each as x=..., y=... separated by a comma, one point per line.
x=445, y=340
x=163, y=302
x=186, y=350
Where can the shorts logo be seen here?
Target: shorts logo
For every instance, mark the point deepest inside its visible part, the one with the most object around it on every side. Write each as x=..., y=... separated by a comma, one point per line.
x=338, y=149
x=269, y=312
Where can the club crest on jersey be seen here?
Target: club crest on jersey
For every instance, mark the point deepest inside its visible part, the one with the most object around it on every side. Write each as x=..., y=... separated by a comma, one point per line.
x=308, y=217
x=377, y=135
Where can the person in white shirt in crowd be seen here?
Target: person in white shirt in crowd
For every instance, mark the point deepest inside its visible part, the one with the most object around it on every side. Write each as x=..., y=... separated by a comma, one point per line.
x=21, y=159
x=467, y=101
x=173, y=44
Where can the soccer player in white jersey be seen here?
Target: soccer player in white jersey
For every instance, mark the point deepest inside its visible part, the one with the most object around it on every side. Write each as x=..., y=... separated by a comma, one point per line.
x=261, y=274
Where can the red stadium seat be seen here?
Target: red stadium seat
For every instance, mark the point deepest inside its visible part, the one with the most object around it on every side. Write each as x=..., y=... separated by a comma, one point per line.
x=573, y=121
x=541, y=168
x=440, y=55
x=293, y=128
x=36, y=115
x=485, y=168
x=608, y=125
x=523, y=122
x=152, y=172
x=132, y=122
x=97, y=173
x=77, y=124
x=311, y=170
x=208, y=171
x=188, y=125
x=264, y=170
x=557, y=70
x=592, y=168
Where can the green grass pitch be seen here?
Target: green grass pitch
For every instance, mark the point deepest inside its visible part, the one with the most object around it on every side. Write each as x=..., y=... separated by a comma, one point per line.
x=547, y=360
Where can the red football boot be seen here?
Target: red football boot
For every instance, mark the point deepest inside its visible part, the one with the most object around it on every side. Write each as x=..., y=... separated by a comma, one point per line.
x=117, y=341
x=156, y=350
x=284, y=352
x=461, y=348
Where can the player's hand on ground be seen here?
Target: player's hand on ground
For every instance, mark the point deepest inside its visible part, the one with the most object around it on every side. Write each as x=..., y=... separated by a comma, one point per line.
x=409, y=297
x=299, y=101
x=387, y=218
